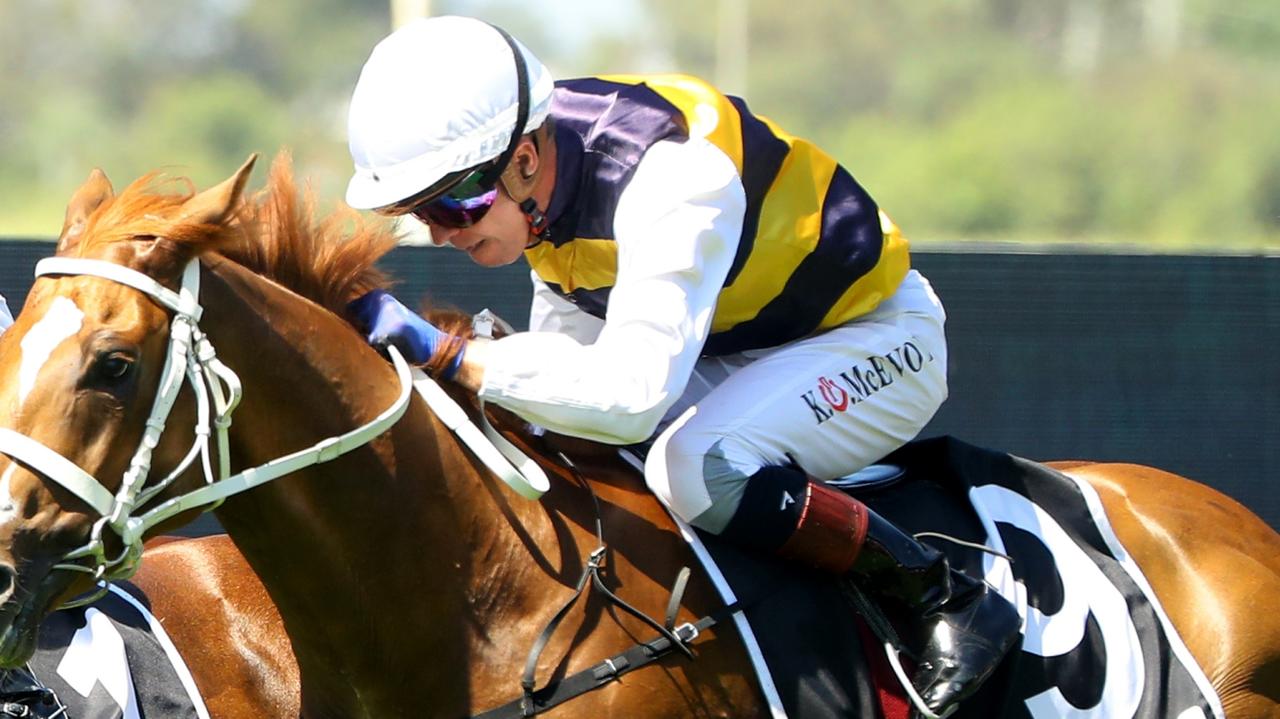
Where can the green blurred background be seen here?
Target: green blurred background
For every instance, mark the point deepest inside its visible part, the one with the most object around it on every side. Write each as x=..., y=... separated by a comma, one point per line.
x=1145, y=125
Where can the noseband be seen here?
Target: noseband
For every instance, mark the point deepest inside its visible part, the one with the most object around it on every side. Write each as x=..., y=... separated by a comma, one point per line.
x=217, y=390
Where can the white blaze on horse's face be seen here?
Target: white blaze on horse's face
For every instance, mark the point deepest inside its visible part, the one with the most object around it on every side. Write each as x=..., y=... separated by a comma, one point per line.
x=63, y=320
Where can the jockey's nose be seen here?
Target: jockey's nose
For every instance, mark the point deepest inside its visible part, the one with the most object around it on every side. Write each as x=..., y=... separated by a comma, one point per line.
x=440, y=236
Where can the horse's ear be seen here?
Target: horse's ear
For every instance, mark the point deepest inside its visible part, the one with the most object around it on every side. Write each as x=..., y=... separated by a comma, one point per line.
x=215, y=204
x=95, y=191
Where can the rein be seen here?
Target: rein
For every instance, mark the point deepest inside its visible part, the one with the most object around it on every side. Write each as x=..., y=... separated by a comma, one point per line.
x=218, y=392
x=671, y=638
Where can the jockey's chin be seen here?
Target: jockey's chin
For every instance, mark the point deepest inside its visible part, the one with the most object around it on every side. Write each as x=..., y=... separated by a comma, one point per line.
x=490, y=250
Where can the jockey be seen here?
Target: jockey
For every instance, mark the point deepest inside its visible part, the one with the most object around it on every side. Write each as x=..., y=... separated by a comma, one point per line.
x=700, y=276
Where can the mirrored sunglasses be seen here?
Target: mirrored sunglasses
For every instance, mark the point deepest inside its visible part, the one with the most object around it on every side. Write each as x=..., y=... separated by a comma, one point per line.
x=462, y=205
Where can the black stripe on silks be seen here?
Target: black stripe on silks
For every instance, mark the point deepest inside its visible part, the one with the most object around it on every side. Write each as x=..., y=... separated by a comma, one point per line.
x=593, y=302
x=762, y=157
x=849, y=247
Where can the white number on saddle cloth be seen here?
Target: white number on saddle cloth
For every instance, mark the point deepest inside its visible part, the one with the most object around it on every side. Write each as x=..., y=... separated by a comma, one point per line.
x=97, y=656
x=1086, y=590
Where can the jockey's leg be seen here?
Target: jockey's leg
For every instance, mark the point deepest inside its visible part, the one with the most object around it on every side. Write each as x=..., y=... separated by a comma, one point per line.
x=748, y=458
x=962, y=628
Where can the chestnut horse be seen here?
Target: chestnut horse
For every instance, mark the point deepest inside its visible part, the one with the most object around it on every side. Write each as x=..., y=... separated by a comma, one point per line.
x=223, y=623
x=409, y=580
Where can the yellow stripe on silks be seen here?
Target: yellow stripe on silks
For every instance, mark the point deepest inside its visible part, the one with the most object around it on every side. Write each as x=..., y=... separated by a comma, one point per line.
x=708, y=113
x=877, y=285
x=581, y=264
x=789, y=228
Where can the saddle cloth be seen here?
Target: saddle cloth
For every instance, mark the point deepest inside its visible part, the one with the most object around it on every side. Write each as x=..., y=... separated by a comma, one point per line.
x=109, y=660
x=1096, y=641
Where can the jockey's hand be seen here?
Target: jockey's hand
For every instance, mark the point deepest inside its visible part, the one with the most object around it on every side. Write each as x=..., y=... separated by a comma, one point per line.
x=386, y=322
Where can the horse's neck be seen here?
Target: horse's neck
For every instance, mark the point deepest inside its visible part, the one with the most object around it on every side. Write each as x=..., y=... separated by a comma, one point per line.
x=404, y=527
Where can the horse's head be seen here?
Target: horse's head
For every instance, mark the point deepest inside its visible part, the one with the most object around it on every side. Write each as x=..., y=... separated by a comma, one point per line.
x=79, y=374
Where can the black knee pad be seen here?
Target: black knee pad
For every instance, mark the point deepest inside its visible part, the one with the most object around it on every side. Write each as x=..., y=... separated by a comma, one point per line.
x=770, y=508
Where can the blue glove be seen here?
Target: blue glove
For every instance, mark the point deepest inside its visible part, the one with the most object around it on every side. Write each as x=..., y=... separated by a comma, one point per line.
x=387, y=322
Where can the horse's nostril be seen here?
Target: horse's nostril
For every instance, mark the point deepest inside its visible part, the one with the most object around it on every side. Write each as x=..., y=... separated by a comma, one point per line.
x=7, y=576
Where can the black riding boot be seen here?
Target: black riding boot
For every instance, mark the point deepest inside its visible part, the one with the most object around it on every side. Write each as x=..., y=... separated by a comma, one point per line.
x=959, y=629
x=956, y=628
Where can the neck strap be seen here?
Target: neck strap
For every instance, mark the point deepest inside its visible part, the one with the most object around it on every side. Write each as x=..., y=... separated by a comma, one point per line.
x=490, y=178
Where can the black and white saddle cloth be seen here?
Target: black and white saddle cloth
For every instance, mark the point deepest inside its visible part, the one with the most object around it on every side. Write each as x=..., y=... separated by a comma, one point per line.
x=110, y=660
x=1096, y=641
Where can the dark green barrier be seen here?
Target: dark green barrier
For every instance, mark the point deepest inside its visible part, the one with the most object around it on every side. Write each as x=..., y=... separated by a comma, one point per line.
x=1166, y=361
x=1158, y=360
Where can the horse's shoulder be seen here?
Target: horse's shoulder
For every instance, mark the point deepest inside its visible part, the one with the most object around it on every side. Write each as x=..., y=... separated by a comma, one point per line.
x=204, y=587
x=184, y=578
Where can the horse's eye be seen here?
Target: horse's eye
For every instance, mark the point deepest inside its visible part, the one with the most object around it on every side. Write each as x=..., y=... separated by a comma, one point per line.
x=113, y=367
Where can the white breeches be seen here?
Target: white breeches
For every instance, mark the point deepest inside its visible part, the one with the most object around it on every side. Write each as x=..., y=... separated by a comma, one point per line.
x=831, y=403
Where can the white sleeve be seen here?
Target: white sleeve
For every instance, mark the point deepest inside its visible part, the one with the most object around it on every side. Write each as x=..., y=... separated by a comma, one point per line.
x=6, y=317
x=552, y=313
x=677, y=227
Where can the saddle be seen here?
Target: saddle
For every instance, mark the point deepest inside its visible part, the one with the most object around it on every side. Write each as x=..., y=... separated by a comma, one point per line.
x=1095, y=638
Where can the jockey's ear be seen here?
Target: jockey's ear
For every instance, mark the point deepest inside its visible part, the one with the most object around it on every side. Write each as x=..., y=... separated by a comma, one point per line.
x=215, y=205
x=95, y=191
x=522, y=173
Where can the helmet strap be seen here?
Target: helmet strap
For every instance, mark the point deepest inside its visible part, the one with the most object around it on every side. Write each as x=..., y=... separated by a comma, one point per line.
x=502, y=171
x=490, y=178
x=539, y=228
x=520, y=187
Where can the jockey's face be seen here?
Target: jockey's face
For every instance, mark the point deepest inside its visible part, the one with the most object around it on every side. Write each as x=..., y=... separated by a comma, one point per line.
x=497, y=239
x=502, y=234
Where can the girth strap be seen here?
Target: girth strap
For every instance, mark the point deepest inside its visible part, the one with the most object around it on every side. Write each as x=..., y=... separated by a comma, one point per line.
x=606, y=671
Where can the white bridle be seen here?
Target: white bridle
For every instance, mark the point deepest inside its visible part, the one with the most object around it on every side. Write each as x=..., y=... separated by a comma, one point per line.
x=217, y=391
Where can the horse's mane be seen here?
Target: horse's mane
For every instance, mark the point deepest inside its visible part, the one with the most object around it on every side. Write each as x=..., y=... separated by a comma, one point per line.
x=329, y=260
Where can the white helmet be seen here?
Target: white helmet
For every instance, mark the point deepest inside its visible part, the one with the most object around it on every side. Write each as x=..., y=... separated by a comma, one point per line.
x=437, y=96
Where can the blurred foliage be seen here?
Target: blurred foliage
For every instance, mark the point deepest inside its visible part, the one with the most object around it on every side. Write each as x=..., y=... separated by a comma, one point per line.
x=1140, y=122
